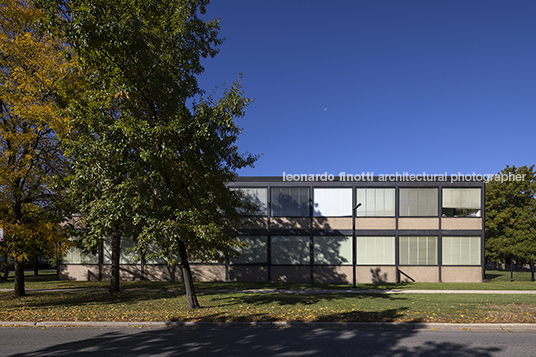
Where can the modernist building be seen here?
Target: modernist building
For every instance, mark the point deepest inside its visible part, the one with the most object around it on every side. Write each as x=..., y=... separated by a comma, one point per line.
x=341, y=230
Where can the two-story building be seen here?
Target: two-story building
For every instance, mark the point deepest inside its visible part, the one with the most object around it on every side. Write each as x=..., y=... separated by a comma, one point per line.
x=338, y=229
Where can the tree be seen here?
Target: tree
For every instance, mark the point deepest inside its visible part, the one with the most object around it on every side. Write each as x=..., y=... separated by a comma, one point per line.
x=151, y=154
x=511, y=215
x=32, y=68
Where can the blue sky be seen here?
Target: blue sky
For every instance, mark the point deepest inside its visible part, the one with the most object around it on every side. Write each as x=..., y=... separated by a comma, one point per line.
x=381, y=86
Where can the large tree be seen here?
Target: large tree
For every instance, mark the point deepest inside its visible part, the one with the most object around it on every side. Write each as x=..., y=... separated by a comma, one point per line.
x=151, y=154
x=511, y=215
x=32, y=70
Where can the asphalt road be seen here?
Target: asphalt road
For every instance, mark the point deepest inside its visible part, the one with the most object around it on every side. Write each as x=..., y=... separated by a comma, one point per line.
x=254, y=341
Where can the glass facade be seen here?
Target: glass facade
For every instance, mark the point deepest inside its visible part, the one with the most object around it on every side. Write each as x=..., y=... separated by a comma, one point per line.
x=461, y=250
x=461, y=202
x=332, y=202
x=290, y=201
x=375, y=250
x=255, y=252
x=332, y=250
x=257, y=197
x=418, y=250
x=375, y=202
x=292, y=250
x=402, y=228
x=76, y=255
x=418, y=202
x=127, y=254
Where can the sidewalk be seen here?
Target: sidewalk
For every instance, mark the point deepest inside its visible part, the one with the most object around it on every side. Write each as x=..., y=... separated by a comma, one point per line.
x=305, y=291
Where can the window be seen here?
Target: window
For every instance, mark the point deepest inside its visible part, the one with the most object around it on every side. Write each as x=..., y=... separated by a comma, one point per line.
x=332, y=202
x=461, y=250
x=418, y=202
x=152, y=257
x=418, y=250
x=375, y=250
x=335, y=250
x=76, y=255
x=375, y=202
x=291, y=250
x=461, y=202
x=290, y=202
x=255, y=252
x=126, y=255
x=257, y=197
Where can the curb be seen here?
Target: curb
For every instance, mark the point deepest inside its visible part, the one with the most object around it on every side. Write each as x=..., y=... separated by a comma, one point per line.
x=386, y=326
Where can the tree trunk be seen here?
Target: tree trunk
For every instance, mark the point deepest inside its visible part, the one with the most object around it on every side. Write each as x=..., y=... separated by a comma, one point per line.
x=116, y=251
x=18, y=265
x=511, y=271
x=35, y=265
x=19, y=277
x=187, y=276
x=6, y=268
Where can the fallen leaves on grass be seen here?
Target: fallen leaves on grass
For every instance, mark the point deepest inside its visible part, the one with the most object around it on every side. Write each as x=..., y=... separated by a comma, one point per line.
x=167, y=306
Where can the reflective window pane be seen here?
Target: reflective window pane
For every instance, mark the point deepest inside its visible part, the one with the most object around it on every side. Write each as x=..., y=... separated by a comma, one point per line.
x=418, y=202
x=126, y=255
x=461, y=202
x=255, y=252
x=375, y=202
x=257, y=197
x=79, y=256
x=418, y=250
x=290, y=201
x=290, y=250
x=375, y=250
x=332, y=202
x=461, y=250
x=334, y=250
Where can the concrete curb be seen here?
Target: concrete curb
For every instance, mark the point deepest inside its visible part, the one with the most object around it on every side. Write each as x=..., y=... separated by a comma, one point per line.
x=386, y=326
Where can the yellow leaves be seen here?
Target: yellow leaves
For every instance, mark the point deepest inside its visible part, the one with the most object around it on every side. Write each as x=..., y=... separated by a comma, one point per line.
x=36, y=232
x=122, y=96
x=34, y=67
x=34, y=73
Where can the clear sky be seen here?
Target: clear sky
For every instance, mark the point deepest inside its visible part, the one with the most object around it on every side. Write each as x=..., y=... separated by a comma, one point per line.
x=381, y=86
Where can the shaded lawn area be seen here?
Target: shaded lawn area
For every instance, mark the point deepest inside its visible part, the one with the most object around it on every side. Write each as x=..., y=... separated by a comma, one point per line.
x=497, y=280
x=139, y=305
x=168, y=306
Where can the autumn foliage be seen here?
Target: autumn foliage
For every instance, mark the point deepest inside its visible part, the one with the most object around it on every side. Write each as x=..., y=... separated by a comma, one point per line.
x=33, y=69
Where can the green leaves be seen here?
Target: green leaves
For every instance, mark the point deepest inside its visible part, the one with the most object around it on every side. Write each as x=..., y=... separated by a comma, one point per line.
x=510, y=216
x=144, y=160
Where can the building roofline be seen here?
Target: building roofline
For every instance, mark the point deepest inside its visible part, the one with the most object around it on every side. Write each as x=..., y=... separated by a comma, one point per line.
x=406, y=178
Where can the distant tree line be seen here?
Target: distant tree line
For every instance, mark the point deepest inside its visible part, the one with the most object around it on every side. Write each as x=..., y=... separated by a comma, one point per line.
x=511, y=218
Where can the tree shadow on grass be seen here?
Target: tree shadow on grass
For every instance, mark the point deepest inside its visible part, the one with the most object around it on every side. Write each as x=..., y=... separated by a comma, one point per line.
x=283, y=299
x=209, y=340
x=490, y=276
x=388, y=315
x=80, y=298
x=298, y=307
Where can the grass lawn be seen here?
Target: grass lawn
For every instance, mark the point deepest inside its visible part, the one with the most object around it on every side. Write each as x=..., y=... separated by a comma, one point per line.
x=497, y=280
x=142, y=305
x=158, y=306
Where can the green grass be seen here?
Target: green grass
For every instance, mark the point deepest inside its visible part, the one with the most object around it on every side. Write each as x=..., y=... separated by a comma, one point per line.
x=497, y=280
x=89, y=304
x=167, y=306
x=504, y=276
